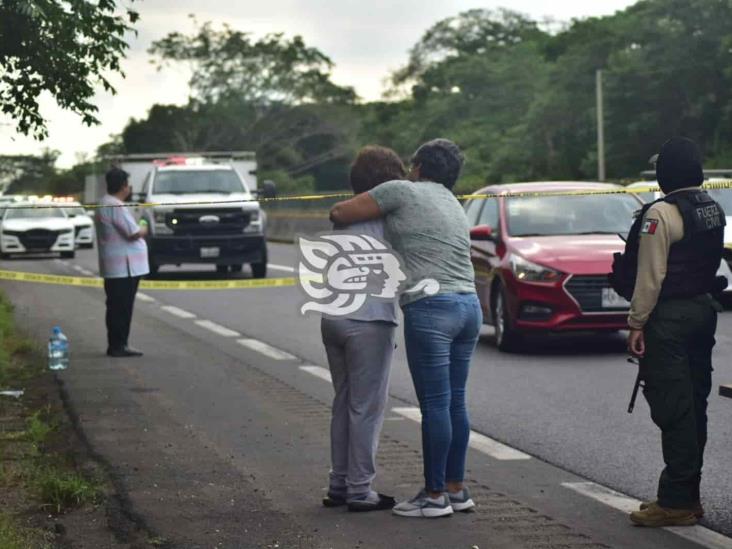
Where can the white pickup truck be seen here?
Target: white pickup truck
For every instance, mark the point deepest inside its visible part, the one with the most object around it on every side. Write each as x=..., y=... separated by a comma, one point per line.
x=205, y=209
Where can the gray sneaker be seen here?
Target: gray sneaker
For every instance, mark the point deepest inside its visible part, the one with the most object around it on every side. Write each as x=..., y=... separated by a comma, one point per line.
x=424, y=506
x=461, y=501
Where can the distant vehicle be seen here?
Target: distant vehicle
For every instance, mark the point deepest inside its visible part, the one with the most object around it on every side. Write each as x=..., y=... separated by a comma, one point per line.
x=724, y=197
x=32, y=230
x=207, y=214
x=541, y=262
x=208, y=211
x=83, y=224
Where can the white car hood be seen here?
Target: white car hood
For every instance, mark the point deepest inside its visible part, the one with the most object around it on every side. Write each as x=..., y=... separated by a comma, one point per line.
x=50, y=224
x=82, y=221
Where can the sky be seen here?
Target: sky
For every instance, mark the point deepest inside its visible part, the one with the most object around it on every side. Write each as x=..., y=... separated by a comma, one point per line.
x=365, y=39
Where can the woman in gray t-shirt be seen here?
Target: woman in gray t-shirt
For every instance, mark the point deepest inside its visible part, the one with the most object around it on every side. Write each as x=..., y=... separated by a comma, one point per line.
x=426, y=225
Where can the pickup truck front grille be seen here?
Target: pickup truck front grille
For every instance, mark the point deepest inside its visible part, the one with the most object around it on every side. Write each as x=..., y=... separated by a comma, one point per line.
x=203, y=222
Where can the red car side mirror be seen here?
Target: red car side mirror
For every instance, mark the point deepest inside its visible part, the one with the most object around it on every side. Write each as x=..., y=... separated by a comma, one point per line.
x=481, y=232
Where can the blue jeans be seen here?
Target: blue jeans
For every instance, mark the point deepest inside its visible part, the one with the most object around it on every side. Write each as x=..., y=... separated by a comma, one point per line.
x=441, y=333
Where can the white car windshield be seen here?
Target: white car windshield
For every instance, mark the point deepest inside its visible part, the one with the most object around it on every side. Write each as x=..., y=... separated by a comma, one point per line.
x=570, y=215
x=76, y=211
x=34, y=213
x=198, y=182
x=724, y=197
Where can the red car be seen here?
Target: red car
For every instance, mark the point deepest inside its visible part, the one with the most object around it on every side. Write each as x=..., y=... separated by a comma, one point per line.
x=541, y=261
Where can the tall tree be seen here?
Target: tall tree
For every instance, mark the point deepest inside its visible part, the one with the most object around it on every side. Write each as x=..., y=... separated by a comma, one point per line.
x=64, y=47
x=229, y=65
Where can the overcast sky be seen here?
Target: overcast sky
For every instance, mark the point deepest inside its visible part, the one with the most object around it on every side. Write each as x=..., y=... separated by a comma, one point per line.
x=365, y=39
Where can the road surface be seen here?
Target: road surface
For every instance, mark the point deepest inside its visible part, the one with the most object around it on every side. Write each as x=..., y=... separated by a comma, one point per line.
x=551, y=431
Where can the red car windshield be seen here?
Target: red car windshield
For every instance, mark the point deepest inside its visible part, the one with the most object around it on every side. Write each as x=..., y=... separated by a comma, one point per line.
x=570, y=215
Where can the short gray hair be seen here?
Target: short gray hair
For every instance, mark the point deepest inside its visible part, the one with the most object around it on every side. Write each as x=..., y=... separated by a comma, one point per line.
x=439, y=160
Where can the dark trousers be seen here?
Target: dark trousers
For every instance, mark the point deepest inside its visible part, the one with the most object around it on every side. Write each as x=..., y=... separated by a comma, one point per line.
x=120, y=303
x=677, y=369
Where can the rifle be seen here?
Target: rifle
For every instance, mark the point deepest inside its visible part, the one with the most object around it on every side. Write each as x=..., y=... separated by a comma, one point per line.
x=638, y=384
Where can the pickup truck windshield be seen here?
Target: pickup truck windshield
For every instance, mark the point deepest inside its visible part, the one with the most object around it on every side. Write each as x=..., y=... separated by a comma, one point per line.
x=198, y=182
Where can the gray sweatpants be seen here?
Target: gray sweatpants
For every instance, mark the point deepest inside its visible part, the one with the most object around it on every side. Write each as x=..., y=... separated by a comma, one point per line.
x=359, y=356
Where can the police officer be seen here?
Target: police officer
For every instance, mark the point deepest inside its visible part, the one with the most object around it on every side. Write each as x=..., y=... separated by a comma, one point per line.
x=674, y=250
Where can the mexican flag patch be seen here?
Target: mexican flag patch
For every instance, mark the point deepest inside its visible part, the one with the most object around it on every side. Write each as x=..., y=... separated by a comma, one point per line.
x=649, y=226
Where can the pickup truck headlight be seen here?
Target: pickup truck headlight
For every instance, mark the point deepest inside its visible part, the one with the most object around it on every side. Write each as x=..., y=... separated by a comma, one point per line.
x=526, y=271
x=160, y=217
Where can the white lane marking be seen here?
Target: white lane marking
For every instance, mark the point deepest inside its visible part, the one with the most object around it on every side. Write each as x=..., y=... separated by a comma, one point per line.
x=317, y=371
x=86, y=273
x=281, y=267
x=265, y=349
x=145, y=297
x=78, y=268
x=478, y=441
x=698, y=534
x=217, y=328
x=175, y=311
x=494, y=448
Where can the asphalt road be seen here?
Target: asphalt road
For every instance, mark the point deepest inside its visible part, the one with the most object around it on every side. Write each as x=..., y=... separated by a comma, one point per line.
x=563, y=401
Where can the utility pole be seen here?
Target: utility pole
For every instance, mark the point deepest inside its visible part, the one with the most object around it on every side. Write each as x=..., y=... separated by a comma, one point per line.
x=600, y=127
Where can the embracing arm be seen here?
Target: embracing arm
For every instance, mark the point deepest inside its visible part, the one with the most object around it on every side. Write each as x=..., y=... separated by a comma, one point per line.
x=361, y=207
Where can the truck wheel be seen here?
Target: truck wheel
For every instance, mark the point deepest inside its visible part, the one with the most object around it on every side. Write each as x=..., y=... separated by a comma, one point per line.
x=237, y=268
x=259, y=270
x=222, y=269
x=508, y=339
x=68, y=255
x=154, y=269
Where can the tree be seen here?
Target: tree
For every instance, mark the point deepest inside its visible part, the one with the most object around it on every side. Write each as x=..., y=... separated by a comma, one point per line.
x=27, y=174
x=63, y=47
x=229, y=65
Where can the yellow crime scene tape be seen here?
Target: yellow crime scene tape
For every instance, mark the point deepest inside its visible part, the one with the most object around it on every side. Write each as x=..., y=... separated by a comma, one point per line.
x=94, y=282
x=709, y=185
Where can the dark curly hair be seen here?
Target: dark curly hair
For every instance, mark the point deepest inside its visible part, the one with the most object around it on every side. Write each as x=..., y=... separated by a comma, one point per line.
x=375, y=165
x=439, y=160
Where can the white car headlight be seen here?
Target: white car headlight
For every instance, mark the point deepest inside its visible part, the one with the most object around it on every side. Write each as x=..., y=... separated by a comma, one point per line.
x=526, y=271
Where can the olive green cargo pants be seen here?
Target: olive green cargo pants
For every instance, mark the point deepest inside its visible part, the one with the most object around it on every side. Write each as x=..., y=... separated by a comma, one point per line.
x=677, y=370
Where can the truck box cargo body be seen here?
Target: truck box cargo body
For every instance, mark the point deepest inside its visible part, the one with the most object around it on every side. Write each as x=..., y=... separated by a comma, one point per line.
x=139, y=165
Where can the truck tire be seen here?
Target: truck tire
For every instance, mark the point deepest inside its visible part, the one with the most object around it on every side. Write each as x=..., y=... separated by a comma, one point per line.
x=222, y=269
x=68, y=255
x=259, y=270
x=237, y=268
x=154, y=269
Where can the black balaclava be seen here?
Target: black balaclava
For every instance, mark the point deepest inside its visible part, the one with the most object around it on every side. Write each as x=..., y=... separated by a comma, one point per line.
x=679, y=165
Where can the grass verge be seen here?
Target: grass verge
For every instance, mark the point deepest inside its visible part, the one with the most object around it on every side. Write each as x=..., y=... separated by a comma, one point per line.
x=38, y=474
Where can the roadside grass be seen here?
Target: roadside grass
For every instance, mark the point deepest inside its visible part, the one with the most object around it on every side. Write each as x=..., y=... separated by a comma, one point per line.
x=40, y=475
x=13, y=536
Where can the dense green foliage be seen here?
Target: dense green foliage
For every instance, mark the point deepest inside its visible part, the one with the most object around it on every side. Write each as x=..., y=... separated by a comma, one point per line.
x=62, y=47
x=519, y=99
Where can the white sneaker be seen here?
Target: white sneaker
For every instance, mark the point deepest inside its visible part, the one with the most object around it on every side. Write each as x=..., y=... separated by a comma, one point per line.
x=424, y=506
x=461, y=501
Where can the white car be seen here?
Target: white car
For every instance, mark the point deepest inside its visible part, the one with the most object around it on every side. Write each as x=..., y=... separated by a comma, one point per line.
x=724, y=197
x=83, y=224
x=27, y=229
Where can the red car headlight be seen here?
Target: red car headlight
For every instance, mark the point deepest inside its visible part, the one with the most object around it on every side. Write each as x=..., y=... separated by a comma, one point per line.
x=527, y=271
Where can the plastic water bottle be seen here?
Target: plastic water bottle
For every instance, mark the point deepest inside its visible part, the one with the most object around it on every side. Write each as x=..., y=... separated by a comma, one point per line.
x=58, y=350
